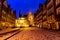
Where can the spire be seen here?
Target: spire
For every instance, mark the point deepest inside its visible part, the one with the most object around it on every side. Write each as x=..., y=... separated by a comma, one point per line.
x=29, y=13
x=20, y=14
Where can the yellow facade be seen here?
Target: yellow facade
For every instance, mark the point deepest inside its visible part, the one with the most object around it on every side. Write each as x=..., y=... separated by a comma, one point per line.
x=22, y=22
x=30, y=17
x=6, y=18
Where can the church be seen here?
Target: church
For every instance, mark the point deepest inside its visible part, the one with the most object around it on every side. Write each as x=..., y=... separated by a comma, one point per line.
x=25, y=20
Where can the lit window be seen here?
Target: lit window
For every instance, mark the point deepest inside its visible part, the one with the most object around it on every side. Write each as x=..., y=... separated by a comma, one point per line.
x=0, y=3
x=58, y=10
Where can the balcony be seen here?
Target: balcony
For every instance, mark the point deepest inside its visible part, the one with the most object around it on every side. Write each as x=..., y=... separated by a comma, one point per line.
x=5, y=8
x=45, y=18
x=50, y=4
x=51, y=10
x=44, y=12
x=57, y=2
x=58, y=11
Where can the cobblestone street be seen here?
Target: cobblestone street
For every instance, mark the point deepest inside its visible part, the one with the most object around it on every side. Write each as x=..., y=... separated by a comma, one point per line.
x=34, y=34
x=29, y=19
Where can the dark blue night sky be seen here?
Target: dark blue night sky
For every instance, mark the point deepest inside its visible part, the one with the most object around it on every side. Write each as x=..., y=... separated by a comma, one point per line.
x=25, y=5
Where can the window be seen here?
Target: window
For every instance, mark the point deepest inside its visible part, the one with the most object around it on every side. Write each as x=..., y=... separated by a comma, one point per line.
x=0, y=3
x=53, y=17
x=48, y=1
x=58, y=5
x=57, y=2
x=58, y=10
x=5, y=9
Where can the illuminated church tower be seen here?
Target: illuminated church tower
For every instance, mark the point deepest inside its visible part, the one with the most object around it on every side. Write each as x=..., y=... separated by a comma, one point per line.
x=30, y=17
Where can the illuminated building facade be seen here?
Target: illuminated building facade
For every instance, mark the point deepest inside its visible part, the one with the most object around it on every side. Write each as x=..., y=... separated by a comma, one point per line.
x=44, y=16
x=7, y=18
x=25, y=20
x=51, y=14
x=57, y=9
x=0, y=7
x=30, y=17
x=4, y=15
x=47, y=15
x=0, y=11
x=38, y=16
x=22, y=22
